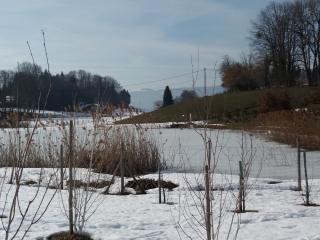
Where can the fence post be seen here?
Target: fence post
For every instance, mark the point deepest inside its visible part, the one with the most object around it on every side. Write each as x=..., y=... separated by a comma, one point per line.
x=159, y=180
x=299, y=165
x=164, y=195
x=122, y=168
x=208, y=203
x=61, y=167
x=71, y=177
x=306, y=178
x=209, y=153
x=241, y=188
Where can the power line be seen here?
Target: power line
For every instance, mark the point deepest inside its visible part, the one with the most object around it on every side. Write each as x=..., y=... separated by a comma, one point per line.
x=162, y=79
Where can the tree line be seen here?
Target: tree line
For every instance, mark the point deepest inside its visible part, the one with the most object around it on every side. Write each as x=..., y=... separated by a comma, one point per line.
x=28, y=85
x=285, y=49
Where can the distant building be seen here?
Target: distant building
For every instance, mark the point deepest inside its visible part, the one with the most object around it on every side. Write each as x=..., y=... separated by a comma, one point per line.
x=9, y=99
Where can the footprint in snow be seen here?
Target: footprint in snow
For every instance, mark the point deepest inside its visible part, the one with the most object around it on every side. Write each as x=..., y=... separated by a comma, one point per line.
x=289, y=226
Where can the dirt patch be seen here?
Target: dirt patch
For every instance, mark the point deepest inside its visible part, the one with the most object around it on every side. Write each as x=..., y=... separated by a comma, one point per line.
x=274, y=182
x=94, y=184
x=147, y=184
x=29, y=182
x=310, y=205
x=246, y=211
x=67, y=236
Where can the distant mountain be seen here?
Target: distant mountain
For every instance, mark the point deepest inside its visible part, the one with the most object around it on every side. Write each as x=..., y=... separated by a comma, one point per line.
x=145, y=98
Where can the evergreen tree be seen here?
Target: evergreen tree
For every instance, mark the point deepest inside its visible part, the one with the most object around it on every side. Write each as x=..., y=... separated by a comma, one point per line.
x=167, y=97
x=124, y=98
x=67, y=90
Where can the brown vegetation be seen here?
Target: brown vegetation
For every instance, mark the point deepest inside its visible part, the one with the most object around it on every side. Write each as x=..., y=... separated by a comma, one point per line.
x=287, y=126
x=67, y=236
x=92, y=184
x=147, y=184
x=273, y=101
x=135, y=147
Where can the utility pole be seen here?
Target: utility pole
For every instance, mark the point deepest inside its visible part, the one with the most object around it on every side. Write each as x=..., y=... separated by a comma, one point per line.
x=215, y=78
x=205, y=81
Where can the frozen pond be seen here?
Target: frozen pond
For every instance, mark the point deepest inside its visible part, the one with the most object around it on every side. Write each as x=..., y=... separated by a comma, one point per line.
x=183, y=149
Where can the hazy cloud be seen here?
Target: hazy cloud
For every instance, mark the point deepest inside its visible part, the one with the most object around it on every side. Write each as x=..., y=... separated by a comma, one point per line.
x=133, y=41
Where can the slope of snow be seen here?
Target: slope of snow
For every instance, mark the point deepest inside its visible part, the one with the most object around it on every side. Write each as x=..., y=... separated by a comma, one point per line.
x=280, y=213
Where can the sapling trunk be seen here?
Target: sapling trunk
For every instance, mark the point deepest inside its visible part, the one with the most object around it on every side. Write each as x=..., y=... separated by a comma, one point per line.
x=71, y=178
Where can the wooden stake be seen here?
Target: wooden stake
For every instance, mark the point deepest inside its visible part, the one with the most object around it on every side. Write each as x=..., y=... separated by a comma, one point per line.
x=241, y=188
x=159, y=180
x=208, y=203
x=71, y=178
x=164, y=195
x=306, y=178
x=122, y=169
x=299, y=165
x=209, y=149
x=61, y=167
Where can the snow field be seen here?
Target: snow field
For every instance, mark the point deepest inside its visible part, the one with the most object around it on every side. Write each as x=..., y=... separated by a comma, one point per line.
x=280, y=213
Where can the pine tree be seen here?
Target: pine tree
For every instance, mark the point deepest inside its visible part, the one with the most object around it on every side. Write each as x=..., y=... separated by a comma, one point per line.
x=167, y=97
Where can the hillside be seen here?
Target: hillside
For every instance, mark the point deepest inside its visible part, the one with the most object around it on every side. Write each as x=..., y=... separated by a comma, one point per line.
x=145, y=98
x=227, y=107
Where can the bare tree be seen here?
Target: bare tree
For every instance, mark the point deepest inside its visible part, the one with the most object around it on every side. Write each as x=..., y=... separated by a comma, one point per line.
x=272, y=38
x=21, y=217
x=306, y=17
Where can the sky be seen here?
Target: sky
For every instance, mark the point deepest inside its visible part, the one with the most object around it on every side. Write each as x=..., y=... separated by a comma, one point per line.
x=138, y=42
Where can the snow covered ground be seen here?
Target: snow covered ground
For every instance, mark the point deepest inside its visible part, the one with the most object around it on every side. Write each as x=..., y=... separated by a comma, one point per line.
x=280, y=213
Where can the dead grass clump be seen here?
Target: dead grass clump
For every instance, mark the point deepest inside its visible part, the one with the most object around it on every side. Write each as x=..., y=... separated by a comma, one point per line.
x=147, y=184
x=137, y=149
x=92, y=184
x=67, y=236
x=11, y=155
x=29, y=182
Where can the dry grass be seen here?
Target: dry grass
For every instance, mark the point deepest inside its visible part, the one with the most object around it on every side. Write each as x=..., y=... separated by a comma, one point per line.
x=67, y=236
x=287, y=126
x=92, y=184
x=147, y=184
x=136, y=146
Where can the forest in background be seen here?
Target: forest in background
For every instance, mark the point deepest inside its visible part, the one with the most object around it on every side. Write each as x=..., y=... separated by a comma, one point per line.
x=28, y=85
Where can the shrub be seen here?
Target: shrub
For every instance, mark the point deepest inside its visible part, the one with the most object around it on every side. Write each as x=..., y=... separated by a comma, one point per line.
x=138, y=150
x=147, y=184
x=67, y=236
x=274, y=101
x=313, y=98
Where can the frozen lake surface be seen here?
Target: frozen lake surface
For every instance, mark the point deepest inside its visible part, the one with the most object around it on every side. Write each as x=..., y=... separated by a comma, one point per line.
x=183, y=149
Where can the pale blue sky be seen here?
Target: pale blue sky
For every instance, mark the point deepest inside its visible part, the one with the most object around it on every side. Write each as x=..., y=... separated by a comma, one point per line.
x=132, y=40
